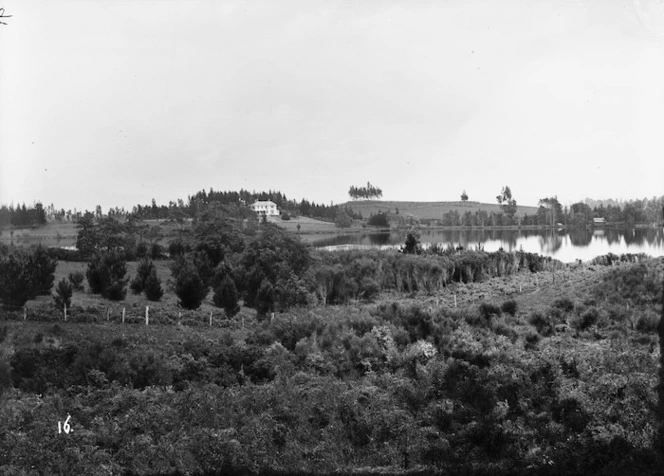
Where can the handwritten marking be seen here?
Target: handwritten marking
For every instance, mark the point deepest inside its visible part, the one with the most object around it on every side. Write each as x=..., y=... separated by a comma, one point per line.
x=2, y=15
x=66, y=427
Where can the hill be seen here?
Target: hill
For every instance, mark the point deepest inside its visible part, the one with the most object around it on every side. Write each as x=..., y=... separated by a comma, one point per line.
x=428, y=210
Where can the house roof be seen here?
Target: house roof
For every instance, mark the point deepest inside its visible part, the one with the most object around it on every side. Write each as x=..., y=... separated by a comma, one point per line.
x=264, y=202
x=599, y=220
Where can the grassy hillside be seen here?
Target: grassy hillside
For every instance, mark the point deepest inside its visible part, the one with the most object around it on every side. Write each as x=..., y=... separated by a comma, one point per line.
x=428, y=210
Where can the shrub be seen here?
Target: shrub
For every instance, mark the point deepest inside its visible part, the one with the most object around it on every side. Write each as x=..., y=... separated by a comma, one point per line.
x=509, y=307
x=501, y=328
x=369, y=289
x=532, y=339
x=116, y=291
x=63, y=293
x=141, y=250
x=76, y=279
x=5, y=375
x=555, y=315
x=564, y=304
x=152, y=288
x=285, y=216
x=177, y=248
x=647, y=322
x=156, y=251
x=487, y=310
x=541, y=323
x=588, y=318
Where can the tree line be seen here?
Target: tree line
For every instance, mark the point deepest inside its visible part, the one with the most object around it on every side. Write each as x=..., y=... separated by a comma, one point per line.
x=22, y=215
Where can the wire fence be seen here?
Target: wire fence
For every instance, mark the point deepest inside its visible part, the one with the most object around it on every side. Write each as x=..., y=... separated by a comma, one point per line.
x=131, y=314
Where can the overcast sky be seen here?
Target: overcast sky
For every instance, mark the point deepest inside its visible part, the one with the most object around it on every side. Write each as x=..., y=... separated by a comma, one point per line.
x=117, y=102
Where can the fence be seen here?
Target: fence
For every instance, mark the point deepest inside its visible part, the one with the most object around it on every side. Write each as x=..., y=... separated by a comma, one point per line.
x=123, y=314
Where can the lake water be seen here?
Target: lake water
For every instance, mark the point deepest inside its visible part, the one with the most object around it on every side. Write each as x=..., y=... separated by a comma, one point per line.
x=566, y=246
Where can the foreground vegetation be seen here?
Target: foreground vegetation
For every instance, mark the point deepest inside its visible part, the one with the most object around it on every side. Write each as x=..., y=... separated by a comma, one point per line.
x=458, y=362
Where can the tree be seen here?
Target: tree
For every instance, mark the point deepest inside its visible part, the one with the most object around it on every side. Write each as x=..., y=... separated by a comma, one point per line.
x=464, y=196
x=215, y=237
x=505, y=195
x=189, y=286
x=143, y=271
x=76, y=279
x=343, y=219
x=270, y=256
x=25, y=275
x=412, y=245
x=106, y=275
x=104, y=234
x=226, y=296
x=87, y=240
x=550, y=211
x=506, y=202
x=367, y=192
x=379, y=219
x=265, y=298
x=152, y=286
x=63, y=293
x=44, y=268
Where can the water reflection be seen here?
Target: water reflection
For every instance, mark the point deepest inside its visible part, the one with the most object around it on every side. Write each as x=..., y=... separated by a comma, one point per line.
x=581, y=237
x=565, y=245
x=550, y=242
x=379, y=239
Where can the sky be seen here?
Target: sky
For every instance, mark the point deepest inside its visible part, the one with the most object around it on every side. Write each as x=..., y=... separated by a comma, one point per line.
x=116, y=102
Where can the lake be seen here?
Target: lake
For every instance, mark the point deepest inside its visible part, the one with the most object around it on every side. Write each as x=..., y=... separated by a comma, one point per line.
x=564, y=245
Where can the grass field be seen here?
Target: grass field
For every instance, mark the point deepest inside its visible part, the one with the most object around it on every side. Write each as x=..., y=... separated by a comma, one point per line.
x=308, y=225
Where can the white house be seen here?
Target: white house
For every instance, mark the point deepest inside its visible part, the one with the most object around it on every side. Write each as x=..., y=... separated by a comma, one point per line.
x=266, y=207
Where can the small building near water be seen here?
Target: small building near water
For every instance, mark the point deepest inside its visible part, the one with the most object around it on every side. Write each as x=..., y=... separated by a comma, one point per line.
x=599, y=221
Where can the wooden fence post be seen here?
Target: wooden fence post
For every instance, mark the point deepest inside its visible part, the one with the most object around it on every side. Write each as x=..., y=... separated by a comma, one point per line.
x=108, y=314
x=25, y=313
x=65, y=313
x=455, y=301
x=123, y=315
x=147, y=315
x=210, y=318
